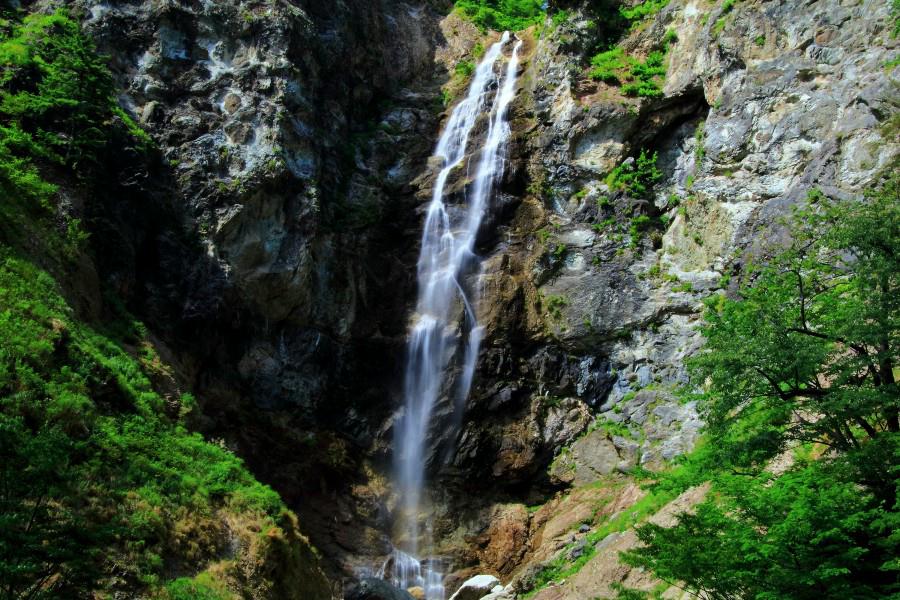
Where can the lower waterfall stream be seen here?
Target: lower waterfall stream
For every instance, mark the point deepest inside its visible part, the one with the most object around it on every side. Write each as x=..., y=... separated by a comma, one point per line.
x=448, y=272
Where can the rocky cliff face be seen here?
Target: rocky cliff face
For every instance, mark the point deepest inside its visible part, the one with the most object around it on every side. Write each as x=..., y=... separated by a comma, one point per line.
x=595, y=292
x=277, y=264
x=294, y=139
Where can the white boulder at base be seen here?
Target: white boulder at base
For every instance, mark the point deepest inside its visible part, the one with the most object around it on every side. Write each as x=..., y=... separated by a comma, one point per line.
x=476, y=588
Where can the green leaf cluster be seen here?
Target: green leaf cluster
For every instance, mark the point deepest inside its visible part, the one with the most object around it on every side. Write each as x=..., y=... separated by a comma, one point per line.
x=637, y=13
x=800, y=369
x=640, y=78
x=56, y=93
x=503, y=15
x=57, y=108
x=636, y=177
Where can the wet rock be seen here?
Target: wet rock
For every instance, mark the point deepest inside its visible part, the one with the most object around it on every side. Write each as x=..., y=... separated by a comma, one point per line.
x=376, y=589
x=499, y=593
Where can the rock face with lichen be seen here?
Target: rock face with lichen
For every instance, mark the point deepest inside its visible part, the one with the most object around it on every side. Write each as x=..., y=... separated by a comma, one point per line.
x=760, y=104
x=293, y=140
x=595, y=293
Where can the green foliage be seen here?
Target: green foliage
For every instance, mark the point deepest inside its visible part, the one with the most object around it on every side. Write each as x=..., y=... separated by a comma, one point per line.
x=544, y=234
x=727, y=7
x=816, y=333
x=644, y=80
x=56, y=93
x=107, y=467
x=637, y=78
x=57, y=107
x=560, y=17
x=609, y=66
x=197, y=588
x=555, y=303
x=465, y=68
x=810, y=533
x=637, y=177
x=502, y=15
x=641, y=78
x=804, y=359
x=638, y=226
x=670, y=38
x=98, y=483
x=700, y=142
x=35, y=471
x=641, y=11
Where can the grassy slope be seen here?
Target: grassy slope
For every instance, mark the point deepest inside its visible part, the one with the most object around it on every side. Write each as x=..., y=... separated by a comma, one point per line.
x=102, y=487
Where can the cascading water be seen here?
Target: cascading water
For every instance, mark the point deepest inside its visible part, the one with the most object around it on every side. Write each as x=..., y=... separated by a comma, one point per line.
x=447, y=265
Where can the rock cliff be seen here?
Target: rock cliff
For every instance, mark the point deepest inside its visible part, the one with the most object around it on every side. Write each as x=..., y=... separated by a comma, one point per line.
x=278, y=267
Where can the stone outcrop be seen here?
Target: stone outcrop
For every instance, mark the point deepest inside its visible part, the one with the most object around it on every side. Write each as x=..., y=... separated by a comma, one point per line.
x=476, y=588
x=272, y=246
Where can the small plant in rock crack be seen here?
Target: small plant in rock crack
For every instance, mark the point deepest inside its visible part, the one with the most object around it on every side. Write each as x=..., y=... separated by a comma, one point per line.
x=554, y=304
x=636, y=176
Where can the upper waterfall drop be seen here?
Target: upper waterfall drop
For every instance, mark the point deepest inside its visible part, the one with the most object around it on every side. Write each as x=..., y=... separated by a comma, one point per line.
x=446, y=319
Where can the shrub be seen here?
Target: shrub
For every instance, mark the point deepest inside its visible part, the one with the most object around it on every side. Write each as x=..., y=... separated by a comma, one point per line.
x=637, y=78
x=637, y=177
x=464, y=68
x=641, y=11
x=609, y=66
x=500, y=15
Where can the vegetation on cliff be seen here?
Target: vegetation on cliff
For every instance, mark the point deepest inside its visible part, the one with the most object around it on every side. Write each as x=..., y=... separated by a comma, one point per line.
x=102, y=486
x=797, y=385
x=501, y=15
x=801, y=401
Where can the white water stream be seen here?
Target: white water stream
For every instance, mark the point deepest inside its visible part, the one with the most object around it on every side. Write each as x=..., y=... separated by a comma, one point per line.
x=447, y=267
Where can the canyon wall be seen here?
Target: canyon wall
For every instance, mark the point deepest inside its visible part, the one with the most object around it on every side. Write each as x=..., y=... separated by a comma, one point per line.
x=277, y=263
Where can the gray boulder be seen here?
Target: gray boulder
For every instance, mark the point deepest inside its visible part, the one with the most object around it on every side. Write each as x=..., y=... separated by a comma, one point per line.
x=476, y=588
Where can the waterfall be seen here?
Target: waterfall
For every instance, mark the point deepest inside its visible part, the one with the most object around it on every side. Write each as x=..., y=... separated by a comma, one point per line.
x=447, y=265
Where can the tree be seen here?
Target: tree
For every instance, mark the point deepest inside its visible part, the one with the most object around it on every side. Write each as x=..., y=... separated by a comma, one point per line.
x=807, y=352
x=800, y=365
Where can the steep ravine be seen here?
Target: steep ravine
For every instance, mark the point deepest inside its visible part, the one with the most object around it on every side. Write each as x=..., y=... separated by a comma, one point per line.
x=271, y=246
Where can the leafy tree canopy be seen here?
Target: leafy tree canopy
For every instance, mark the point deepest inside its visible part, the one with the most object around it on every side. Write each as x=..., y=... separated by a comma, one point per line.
x=799, y=367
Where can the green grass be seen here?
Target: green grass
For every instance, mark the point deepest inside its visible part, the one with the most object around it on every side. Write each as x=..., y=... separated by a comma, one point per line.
x=561, y=567
x=642, y=78
x=502, y=15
